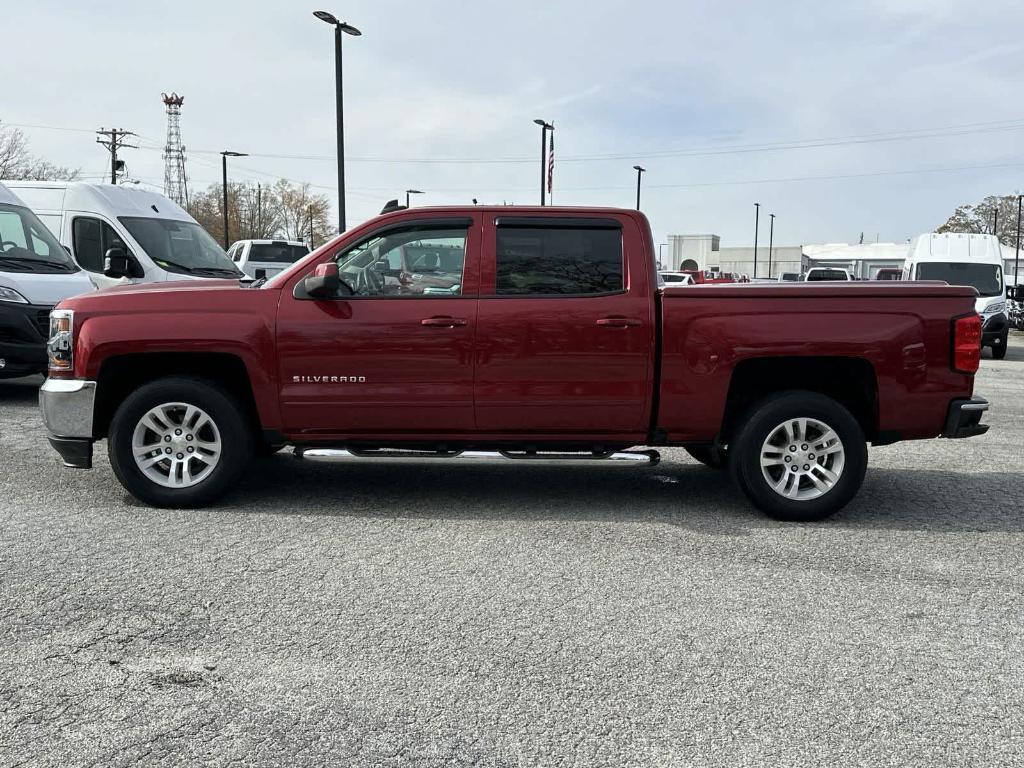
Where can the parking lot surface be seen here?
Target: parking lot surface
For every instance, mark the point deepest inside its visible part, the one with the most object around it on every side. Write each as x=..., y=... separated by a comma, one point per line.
x=399, y=615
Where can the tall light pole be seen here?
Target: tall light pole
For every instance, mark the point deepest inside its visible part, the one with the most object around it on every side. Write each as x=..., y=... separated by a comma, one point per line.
x=757, y=216
x=639, y=174
x=224, y=187
x=661, y=263
x=348, y=29
x=411, y=192
x=771, y=242
x=545, y=126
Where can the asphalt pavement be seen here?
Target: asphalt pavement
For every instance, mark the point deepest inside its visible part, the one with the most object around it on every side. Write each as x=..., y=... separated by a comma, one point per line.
x=502, y=616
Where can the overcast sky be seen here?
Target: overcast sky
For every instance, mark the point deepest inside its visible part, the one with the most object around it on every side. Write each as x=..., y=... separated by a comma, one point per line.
x=433, y=80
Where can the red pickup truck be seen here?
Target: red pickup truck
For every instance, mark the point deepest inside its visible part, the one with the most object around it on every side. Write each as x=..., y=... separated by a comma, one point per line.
x=548, y=340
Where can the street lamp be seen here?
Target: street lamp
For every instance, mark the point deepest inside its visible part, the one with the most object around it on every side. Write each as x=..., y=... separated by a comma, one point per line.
x=757, y=214
x=545, y=126
x=639, y=173
x=348, y=29
x=411, y=192
x=224, y=185
x=771, y=240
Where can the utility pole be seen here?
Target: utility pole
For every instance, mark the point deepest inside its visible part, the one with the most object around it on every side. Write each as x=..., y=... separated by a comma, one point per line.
x=259, y=209
x=114, y=140
x=757, y=216
x=311, y=245
x=771, y=242
x=995, y=221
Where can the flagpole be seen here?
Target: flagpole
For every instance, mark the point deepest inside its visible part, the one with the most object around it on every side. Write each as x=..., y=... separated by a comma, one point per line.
x=551, y=166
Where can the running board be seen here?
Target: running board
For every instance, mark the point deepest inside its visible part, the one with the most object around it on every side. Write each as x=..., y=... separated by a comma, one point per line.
x=612, y=458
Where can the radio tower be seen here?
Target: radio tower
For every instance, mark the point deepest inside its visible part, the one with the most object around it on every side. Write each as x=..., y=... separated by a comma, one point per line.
x=175, y=183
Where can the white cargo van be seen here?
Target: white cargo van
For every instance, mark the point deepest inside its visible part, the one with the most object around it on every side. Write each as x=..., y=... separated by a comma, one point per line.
x=265, y=258
x=966, y=259
x=145, y=237
x=35, y=273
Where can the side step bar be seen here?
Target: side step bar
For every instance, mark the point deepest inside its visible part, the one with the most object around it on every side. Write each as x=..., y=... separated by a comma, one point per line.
x=611, y=458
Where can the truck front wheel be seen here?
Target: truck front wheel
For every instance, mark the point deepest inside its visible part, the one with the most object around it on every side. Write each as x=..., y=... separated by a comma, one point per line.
x=800, y=456
x=179, y=442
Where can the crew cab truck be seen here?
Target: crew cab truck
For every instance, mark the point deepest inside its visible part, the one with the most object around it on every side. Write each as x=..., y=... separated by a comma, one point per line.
x=553, y=344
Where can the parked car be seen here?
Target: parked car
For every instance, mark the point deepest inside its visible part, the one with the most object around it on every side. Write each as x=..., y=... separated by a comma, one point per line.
x=676, y=278
x=122, y=234
x=889, y=273
x=35, y=273
x=966, y=259
x=265, y=258
x=818, y=274
x=553, y=346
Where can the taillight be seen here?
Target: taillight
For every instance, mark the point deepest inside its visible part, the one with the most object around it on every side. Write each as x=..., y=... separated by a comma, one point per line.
x=967, y=344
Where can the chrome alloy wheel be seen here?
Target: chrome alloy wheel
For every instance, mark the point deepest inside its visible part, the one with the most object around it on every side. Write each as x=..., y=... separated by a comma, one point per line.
x=176, y=445
x=802, y=459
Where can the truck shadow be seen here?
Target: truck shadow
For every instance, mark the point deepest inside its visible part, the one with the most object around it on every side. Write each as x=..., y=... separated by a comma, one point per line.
x=683, y=494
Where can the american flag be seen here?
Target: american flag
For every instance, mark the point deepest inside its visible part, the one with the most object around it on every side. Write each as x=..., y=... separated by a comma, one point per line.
x=551, y=161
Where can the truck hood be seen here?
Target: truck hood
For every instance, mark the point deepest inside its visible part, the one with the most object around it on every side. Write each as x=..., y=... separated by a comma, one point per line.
x=47, y=289
x=190, y=295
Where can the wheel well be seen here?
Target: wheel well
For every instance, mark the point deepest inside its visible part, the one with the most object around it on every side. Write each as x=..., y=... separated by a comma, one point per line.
x=848, y=380
x=120, y=376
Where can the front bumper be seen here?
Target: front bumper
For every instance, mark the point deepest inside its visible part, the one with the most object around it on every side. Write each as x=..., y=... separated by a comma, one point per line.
x=67, y=407
x=963, y=419
x=23, y=330
x=994, y=329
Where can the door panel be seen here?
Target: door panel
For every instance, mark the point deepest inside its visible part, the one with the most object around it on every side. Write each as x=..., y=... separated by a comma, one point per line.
x=557, y=363
x=394, y=358
x=372, y=366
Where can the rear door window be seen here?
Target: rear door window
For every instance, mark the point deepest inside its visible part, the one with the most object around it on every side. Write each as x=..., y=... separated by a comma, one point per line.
x=562, y=259
x=276, y=253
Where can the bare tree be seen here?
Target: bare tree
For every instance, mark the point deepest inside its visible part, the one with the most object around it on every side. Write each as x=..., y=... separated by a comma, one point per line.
x=256, y=212
x=17, y=163
x=980, y=218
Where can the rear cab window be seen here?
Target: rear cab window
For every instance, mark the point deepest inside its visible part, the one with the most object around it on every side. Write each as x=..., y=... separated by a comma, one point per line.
x=558, y=257
x=275, y=253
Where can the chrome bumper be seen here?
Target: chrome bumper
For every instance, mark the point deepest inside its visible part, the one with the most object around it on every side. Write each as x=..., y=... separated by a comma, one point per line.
x=67, y=407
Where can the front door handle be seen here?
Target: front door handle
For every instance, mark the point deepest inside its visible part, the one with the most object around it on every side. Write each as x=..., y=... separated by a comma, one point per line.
x=619, y=322
x=443, y=322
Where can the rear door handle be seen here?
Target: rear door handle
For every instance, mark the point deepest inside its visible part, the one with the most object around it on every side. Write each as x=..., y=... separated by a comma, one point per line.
x=619, y=322
x=443, y=322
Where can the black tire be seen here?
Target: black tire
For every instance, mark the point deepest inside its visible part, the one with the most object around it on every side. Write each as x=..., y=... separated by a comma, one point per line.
x=768, y=416
x=999, y=350
x=709, y=455
x=225, y=412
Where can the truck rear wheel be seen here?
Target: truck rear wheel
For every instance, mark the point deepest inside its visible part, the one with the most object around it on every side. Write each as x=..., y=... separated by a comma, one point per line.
x=800, y=456
x=179, y=442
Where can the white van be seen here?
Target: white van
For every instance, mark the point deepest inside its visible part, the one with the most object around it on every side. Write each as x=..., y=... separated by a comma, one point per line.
x=966, y=259
x=35, y=273
x=265, y=258
x=150, y=238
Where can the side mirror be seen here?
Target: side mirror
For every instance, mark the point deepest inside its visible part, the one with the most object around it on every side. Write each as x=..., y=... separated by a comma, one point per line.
x=381, y=267
x=117, y=263
x=325, y=282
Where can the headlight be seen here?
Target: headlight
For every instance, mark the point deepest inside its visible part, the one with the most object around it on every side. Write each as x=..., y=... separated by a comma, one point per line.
x=9, y=294
x=992, y=309
x=60, y=346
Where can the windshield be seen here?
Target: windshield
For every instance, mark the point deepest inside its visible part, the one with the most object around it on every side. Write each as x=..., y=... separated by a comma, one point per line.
x=180, y=246
x=276, y=253
x=26, y=245
x=986, y=278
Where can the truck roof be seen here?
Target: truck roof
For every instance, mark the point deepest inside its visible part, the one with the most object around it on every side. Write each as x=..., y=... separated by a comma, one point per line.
x=112, y=200
x=956, y=247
